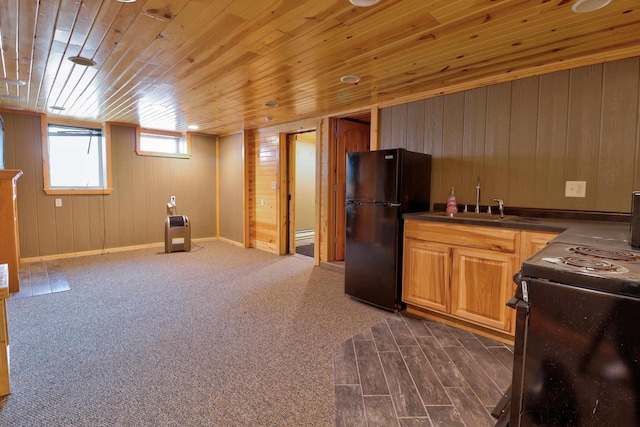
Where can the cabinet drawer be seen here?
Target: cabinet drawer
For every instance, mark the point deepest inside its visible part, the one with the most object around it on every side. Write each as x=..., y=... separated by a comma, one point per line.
x=471, y=236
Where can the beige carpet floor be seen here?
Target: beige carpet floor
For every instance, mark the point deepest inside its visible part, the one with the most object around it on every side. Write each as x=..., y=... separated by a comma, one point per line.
x=219, y=336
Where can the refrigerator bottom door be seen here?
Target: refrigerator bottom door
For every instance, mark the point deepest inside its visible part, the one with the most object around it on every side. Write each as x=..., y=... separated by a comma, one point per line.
x=371, y=254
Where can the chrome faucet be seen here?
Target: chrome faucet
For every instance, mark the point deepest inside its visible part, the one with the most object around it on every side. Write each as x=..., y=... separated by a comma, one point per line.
x=478, y=196
x=500, y=207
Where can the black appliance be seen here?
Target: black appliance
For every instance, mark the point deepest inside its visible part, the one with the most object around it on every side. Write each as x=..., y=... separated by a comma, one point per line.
x=635, y=219
x=381, y=186
x=577, y=344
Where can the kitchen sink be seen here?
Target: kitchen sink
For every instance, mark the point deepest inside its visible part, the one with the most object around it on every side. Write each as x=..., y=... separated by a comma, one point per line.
x=473, y=215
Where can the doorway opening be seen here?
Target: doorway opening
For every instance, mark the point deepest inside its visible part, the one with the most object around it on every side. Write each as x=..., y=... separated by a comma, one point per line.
x=301, y=193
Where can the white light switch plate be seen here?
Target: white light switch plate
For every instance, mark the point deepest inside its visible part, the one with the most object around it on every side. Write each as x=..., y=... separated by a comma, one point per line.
x=58, y=203
x=575, y=189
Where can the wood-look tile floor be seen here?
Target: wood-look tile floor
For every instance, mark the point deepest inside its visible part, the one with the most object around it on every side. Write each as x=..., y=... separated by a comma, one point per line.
x=410, y=372
x=40, y=278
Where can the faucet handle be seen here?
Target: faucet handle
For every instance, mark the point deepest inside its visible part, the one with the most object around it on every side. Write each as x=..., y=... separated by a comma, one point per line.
x=500, y=206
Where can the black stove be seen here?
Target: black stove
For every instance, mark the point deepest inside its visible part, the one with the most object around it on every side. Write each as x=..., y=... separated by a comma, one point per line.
x=577, y=344
x=604, y=269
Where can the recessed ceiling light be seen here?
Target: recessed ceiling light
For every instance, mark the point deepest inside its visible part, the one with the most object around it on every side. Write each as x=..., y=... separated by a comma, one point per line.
x=11, y=98
x=12, y=82
x=56, y=108
x=350, y=79
x=268, y=118
x=364, y=3
x=86, y=62
x=193, y=127
x=270, y=104
x=584, y=6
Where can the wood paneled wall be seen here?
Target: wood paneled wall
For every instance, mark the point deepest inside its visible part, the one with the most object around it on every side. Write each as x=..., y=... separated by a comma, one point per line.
x=231, y=176
x=525, y=138
x=133, y=214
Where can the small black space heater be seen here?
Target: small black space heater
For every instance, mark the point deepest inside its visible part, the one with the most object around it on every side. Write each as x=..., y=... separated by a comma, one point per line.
x=177, y=234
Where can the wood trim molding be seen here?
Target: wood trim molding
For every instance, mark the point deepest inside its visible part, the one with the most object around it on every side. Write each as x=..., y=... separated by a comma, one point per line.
x=217, y=187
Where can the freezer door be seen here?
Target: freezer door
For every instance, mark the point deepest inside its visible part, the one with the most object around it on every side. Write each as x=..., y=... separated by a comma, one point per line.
x=372, y=254
x=372, y=176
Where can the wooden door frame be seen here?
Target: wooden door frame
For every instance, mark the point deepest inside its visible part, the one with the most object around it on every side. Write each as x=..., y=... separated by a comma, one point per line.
x=285, y=227
x=332, y=148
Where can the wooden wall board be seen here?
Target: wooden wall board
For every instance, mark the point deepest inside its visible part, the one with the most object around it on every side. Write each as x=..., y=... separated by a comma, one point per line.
x=231, y=196
x=399, y=126
x=618, y=135
x=141, y=226
x=496, y=154
x=551, y=151
x=524, y=119
x=80, y=219
x=452, y=151
x=415, y=128
x=97, y=222
x=583, y=135
x=122, y=145
x=473, y=144
x=24, y=153
x=433, y=122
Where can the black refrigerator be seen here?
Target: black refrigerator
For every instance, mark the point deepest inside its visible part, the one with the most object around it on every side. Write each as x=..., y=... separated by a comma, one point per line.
x=381, y=186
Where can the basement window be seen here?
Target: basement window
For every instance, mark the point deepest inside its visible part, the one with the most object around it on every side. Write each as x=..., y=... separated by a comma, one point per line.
x=75, y=160
x=162, y=144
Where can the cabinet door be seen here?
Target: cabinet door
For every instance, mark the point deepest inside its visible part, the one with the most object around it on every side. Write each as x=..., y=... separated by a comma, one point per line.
x=425, y=273
x=532, y=241
x=481, y=284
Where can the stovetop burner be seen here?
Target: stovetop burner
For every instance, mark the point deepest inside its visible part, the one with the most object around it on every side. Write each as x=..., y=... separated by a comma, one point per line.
x=590, y=264
x=614, y=255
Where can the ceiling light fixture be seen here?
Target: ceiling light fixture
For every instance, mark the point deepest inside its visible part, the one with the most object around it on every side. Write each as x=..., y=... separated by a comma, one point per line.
x=364, y=3
x=79, y=60
x=584, y=6
x=353, y=79
x=56, y=108
x=6, y=81
x=193, y=127
x=270, y=104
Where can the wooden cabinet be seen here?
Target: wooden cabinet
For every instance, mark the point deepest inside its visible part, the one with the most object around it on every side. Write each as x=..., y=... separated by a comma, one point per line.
x=463, y=274
x=481, y=284
x=10, y=240
x=532, y=241
x=426, y=275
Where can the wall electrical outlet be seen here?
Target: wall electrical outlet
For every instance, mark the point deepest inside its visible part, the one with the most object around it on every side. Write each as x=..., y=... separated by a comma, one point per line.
x=58, y=203
x=575, y=189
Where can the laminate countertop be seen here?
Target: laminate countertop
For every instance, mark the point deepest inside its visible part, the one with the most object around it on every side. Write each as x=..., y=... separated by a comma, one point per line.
x=610, y=234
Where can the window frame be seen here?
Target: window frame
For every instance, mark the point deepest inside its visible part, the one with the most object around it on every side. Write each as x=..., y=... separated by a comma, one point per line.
x=141, y=152
x=106, y=141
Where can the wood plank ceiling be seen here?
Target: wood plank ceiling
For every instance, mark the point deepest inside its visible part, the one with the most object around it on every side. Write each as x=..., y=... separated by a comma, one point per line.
x=166, y=64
